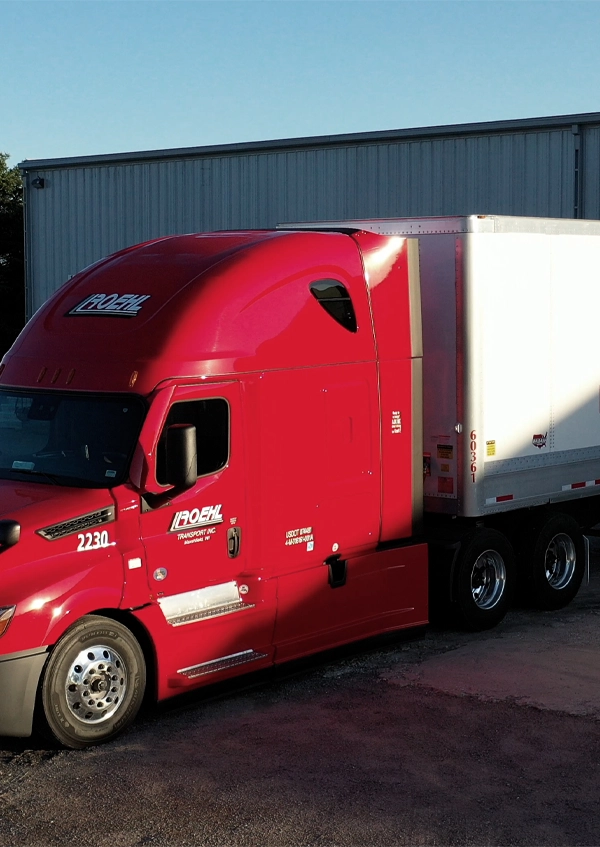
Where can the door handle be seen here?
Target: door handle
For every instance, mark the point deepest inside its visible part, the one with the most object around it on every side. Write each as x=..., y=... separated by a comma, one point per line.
x=338, y=570
x=234, y=541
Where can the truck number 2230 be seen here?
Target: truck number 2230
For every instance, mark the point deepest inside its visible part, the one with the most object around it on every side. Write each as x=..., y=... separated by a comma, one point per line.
x=93, y=540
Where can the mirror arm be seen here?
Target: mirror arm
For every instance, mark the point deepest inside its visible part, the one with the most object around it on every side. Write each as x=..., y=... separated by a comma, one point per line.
x=157, y=501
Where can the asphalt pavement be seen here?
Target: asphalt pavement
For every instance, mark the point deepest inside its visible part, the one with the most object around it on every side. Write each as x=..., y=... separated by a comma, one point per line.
x=446, y=739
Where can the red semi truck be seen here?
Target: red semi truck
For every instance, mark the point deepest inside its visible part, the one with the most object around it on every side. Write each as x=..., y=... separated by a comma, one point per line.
x=223, y=451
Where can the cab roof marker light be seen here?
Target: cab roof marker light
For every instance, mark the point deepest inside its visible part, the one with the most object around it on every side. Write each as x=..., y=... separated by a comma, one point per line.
x=6, y=616
x=133, y=378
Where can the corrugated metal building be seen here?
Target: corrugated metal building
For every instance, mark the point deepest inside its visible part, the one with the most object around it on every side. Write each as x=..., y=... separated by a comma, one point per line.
x=80, y=209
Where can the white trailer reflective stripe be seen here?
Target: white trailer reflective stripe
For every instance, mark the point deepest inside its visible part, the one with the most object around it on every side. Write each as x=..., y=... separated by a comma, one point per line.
x=590, y=483
x=504, y=498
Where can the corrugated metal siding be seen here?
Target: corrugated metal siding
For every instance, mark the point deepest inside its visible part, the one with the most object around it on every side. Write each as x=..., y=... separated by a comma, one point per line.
x=591, y=173
x=88, y=211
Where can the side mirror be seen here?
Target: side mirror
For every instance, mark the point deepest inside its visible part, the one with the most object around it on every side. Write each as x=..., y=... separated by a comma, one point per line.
x=181, y=465
x=182, y=459
x=10, y=532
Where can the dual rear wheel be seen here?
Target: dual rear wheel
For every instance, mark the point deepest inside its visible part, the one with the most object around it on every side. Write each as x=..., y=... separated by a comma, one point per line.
x=550, y=560
x=553, y=562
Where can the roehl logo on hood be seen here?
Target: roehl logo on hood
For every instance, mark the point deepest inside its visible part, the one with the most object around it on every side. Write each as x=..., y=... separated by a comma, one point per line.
x=111, y=305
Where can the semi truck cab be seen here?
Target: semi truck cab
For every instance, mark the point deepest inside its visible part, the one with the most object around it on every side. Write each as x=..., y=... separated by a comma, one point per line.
x=208, y=464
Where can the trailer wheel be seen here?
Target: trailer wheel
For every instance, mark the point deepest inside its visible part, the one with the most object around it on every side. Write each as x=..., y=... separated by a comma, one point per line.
x=93, y=683
x=553, y=562
x=483, y=579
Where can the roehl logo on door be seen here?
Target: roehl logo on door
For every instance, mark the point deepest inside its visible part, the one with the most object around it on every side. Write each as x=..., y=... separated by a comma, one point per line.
x=206, y=516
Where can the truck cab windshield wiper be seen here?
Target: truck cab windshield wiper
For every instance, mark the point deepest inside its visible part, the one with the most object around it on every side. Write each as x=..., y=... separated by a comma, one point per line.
x=50, y=477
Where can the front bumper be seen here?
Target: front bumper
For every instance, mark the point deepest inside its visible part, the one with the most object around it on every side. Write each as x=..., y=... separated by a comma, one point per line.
x=19, y=679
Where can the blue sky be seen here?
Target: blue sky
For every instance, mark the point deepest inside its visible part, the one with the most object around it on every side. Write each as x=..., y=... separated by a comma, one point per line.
x=88, y=77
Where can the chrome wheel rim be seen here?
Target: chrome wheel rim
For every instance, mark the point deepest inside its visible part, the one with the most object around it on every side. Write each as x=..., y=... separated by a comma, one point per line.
x=560, y=561
x=488, y=579
x=96, y=684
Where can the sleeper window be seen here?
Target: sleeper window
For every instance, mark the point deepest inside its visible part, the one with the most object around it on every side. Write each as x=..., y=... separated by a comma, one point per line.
x=335, y=299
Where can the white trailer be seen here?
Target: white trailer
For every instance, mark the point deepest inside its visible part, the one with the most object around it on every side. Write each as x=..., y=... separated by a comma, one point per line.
x=511, y=391
x=510, y=312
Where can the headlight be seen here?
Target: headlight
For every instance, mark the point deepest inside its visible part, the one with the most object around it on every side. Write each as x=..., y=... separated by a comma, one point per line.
x=6, y=616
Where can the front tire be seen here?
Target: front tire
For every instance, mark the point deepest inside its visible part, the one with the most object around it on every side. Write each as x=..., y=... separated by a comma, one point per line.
x=484, y=573
x=553, y=562
x=93, y=684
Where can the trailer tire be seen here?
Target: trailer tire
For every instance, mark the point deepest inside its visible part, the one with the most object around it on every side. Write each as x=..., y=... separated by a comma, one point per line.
x=484, y=574
x=553, y=562
x=93, y=683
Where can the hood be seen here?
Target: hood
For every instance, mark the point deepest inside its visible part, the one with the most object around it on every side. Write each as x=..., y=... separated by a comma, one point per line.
x=37, y=506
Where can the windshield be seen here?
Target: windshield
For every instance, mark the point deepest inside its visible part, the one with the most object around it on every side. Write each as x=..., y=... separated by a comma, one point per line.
x=68, y=439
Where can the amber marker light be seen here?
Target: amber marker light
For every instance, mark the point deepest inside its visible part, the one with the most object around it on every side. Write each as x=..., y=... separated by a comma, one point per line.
x=6, y=616
x=133, y=379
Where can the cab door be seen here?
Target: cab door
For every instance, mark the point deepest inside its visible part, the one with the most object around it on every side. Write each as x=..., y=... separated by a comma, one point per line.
x=217, y=614
x=323, y=508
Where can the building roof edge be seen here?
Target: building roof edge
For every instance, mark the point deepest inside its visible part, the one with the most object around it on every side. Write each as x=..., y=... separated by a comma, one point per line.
x=305, y=142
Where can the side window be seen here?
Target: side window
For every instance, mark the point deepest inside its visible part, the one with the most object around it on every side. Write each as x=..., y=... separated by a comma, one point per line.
x=335, y=299
x=211, y=419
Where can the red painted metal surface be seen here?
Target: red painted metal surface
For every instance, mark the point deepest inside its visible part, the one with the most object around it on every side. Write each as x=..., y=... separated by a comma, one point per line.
x=317, y=465
x=217, y=305
x=52, y=583
x=387, y=269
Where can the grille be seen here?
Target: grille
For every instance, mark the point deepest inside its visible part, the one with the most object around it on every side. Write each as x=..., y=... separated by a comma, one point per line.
x=80, y=524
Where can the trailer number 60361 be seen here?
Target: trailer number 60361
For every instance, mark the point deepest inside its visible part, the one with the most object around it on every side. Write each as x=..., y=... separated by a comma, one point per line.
x=473, y=446
x=93, y=540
